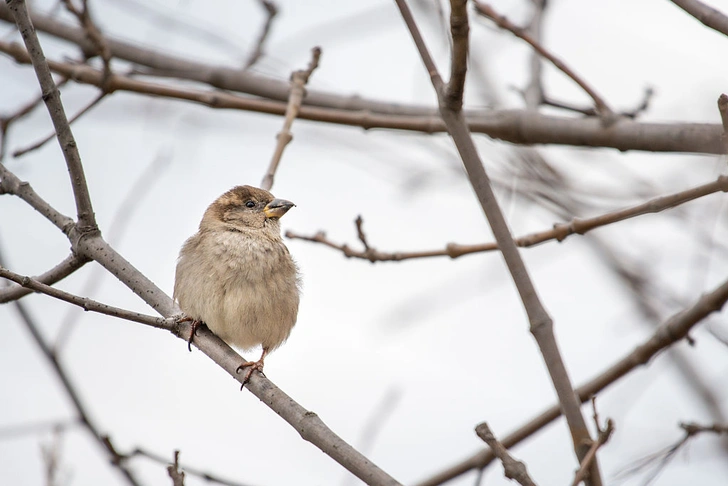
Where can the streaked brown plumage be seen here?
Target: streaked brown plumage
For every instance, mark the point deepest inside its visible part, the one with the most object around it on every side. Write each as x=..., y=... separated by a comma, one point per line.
x=236, y=275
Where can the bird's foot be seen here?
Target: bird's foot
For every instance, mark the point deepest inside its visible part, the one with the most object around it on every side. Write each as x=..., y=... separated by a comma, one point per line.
x=252, y=366
x=195, y=326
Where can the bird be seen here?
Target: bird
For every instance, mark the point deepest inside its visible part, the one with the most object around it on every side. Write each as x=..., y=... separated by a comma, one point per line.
x=236, y=275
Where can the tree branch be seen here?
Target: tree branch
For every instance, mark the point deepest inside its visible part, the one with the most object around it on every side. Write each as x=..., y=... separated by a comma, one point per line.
x=52, y=98
x=559, y=232
x=69, y=265
x=513, y=468
x=599, y=104
x=299, y=79
x=668, y=333
x=541, y=324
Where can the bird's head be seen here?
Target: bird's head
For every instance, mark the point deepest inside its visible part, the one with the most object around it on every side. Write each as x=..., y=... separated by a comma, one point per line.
x=246, y=207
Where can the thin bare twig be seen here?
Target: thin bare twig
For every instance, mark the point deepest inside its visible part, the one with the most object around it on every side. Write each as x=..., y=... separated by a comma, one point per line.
x=487, y=11
x=668, y=333
x=52, y=98
x=603, y=436
x=86, y=303
x=178, y=476
x=723, y=109
x=189, y=471
x=92, y=33
x=559, y=232
x=299, y=79
x=659, y=460
x=513, y=468
x=541, y=324
x=69, y=265
x=49, y=137
x=270, y=11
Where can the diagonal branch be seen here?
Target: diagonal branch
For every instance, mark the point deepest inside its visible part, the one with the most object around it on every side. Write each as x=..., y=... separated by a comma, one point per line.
x=69, y=265
x=541, y=324
x=709, y=16
x=52, y=98
x=668, y=333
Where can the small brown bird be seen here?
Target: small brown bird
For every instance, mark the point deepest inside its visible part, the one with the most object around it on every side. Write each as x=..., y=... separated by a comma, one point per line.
x=236, y=275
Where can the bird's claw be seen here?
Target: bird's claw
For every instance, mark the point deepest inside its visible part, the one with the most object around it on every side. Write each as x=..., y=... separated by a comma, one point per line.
x=252, y=366
x=195, y=326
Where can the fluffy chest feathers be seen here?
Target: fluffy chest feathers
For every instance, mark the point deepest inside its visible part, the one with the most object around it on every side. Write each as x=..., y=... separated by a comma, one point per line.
x=243, y=285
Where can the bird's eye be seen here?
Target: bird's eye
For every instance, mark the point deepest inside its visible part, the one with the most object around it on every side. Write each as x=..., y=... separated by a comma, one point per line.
x=250, y=204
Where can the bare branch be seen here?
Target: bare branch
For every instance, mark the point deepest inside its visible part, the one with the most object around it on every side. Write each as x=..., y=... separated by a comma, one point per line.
x=670, y=332
x=48, y=138
x=10, y=184
x=559, y=232
x=513, y=468
x=502, y=22
x=271, y=11
x=52, y=98
x=516, y=126
x=299, y=79
x=541, y=324
x=86, y=303
x=706, y=14
x=189, y=471
x=69, y=265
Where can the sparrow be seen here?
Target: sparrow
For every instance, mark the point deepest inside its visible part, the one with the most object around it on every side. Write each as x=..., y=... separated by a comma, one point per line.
x=236, y=275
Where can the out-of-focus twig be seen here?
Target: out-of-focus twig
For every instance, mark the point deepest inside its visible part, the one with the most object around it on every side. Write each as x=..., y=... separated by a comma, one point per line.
x=299, y=79
x=668, y=333
x=270, y=11
x=487, y=11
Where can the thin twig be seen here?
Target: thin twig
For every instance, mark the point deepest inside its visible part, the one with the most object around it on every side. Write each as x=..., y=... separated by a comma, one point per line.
x=659, y=460
x=51, y=136
x=270, y=11
x=723, y=109
x=603, y=436
x=178, y=476
x=52, y=98
x=189, y=471
x=92, y=33
x=668, y=333
x=86, y=303
x=487, y=11
x=69, y=265
x=299, y=79
x=541, y=324
x=559, y=232
x=513, y=468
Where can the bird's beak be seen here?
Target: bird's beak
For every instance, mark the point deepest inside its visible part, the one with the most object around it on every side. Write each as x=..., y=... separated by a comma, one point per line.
x=277, y=208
